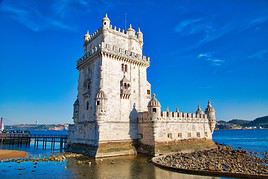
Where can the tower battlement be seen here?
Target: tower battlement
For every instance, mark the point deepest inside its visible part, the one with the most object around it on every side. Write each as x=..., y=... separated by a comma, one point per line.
x=115, y=52
x=118, y=31
x=174, y=116
x=125, y=39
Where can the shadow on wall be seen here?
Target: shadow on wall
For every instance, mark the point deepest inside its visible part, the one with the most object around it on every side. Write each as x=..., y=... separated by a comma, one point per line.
x=133, y=125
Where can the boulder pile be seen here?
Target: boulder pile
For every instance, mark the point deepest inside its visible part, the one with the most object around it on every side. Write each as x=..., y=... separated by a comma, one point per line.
x=222, y=159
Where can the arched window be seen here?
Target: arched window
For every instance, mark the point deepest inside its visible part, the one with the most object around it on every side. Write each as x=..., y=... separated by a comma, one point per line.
x=122, y=67
x=125, y=68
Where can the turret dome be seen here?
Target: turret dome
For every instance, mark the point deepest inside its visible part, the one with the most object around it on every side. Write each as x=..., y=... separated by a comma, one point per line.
x=154, y=102
x=209, y=107
x=87, y=37
x=199, y=110
x=106, y=18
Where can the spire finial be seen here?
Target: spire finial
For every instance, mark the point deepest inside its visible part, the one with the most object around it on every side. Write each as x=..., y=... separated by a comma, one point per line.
x=139, y=30
x=154, y=95
x=106, y=15
x=130, y=26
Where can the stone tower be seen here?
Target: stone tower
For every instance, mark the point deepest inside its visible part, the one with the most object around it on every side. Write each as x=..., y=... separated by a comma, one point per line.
x=112, y=90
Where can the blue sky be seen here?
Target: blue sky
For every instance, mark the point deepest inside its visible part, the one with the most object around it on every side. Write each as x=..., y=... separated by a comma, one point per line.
x=199, y=50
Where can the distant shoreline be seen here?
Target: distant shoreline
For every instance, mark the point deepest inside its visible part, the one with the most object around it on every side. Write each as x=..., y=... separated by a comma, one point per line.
x=11, y=154
x=241, y=129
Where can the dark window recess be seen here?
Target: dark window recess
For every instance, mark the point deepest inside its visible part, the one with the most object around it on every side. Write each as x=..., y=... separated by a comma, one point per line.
x=198, y=134
x=180, y=135
x=87, y=106
x=154, y=109
x=148, y=92
x=189, y=134
x=98, y=103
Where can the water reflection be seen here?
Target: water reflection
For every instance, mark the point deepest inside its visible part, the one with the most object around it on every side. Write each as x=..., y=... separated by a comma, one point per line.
x=124, y=167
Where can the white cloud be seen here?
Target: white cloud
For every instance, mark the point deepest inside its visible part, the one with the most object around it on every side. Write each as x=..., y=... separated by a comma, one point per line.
x=210, y=30
x=32, y=17
x=208, y=57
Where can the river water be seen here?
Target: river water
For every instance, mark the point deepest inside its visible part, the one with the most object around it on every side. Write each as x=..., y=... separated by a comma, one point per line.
x=123, y=167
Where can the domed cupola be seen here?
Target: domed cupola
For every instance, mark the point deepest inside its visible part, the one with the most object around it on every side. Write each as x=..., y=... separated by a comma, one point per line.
x=209, y=107
x=106, y=22
x=140, y=36
x=131, y=31
x=154, y=108
x=199, y=110
x=154, y=102
x=86, y=41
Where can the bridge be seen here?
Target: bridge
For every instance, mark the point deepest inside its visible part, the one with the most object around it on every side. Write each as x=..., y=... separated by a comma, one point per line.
x=26, y=138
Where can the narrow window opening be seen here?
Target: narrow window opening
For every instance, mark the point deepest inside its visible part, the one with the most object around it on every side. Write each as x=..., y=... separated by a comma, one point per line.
x=154, y=110
x=125, y=68
x=87, y=105
x=179, y=135
x=189, y=134
x=198, y=134
x=169, y=135
x=148, y=92
x=98, y=103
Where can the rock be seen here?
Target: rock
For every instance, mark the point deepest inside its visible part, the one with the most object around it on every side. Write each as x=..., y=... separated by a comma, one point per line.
x=223, y=159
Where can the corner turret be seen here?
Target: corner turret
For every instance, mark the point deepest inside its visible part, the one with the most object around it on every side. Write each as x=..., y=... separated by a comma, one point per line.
x=199, y=110
x=131, y=31
x=86, y=41
x=76, y=111
x=210, y=111
x=154, y=108
x=140, y=36
x=106, y=22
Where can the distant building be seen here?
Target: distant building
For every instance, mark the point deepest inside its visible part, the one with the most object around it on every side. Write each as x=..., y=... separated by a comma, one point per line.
x=115, y=112
x=1, y=125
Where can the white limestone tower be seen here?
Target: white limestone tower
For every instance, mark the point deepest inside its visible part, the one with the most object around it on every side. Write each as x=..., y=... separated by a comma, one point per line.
x=112, y=89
